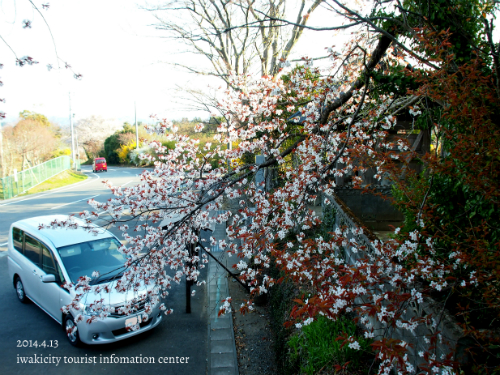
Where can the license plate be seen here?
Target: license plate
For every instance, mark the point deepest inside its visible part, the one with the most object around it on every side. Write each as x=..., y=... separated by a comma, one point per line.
x=132, y=321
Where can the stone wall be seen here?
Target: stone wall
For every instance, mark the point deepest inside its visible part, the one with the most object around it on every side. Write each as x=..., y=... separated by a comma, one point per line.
x=450, y=332
x=374, y=211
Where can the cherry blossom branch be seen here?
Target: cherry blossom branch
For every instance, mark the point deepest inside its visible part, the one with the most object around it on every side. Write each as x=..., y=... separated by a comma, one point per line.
x=382, y=46
x=48, y=28
x=233, y=275
x=353, y=120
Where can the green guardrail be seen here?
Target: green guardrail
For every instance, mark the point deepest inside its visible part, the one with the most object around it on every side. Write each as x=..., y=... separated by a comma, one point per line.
x=25, y=180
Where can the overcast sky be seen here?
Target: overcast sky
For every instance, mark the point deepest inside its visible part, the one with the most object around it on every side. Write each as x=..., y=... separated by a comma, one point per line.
x=113, y=45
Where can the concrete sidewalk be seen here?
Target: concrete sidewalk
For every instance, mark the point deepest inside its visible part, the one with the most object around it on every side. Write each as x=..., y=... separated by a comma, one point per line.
x=222, y=357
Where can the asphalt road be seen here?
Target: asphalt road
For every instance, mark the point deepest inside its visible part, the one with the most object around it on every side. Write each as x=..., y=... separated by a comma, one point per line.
x=179, y=335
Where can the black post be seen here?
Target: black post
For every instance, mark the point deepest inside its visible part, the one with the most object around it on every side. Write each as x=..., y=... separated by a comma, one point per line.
x=192, y=252
x=189, y=282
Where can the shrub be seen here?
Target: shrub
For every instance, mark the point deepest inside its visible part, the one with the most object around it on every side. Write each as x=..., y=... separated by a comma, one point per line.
x=61, y=152
x=124, y=152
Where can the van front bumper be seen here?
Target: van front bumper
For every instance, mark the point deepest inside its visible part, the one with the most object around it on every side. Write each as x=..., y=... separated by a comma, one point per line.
x=113, y=329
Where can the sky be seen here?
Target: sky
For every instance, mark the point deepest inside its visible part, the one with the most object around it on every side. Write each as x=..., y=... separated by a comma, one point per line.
x=122, y=58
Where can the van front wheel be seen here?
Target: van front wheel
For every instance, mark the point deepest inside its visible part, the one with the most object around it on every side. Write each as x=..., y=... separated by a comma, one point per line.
x=71, y=331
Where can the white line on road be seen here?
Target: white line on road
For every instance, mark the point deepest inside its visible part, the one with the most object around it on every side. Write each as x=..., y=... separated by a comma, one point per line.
x=51, y=192
x=66, y=204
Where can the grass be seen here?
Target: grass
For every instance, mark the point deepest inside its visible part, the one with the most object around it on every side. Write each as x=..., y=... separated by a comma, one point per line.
x=62, y=179
x=314, y=349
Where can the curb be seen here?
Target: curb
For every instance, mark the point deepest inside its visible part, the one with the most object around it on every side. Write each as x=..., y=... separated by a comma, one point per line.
x=222, y=358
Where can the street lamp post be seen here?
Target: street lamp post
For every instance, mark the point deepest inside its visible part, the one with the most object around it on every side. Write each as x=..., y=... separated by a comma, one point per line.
x=136, y=128
x=72, y=136
x=77, y=151
x=1, y=153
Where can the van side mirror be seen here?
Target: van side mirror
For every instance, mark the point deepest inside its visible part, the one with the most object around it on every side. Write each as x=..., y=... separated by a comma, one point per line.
x=48, y=279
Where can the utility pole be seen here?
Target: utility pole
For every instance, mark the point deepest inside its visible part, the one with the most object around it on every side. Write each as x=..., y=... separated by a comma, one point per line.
x=72, y=136
x=136, y=128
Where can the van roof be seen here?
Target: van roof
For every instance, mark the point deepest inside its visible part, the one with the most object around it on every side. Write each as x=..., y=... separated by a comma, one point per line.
x=60, y=236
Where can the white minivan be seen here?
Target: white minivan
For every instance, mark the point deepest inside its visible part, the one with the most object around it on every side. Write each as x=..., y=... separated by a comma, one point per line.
x=41, y=261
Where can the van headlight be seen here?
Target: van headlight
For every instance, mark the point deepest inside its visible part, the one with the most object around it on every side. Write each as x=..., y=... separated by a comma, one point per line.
x=88, y=310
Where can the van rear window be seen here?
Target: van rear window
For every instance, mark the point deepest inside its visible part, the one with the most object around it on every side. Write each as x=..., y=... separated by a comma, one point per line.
x=17, y=239
x=100, y=161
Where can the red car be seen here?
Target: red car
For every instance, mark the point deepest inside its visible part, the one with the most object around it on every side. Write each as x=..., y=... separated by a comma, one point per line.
x=99, y=165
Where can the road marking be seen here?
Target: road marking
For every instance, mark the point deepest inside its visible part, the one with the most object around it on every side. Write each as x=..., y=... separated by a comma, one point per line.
x=51, y=192
x=66, y=204
x=3, y=244
x=105, y=212
x=217, y=298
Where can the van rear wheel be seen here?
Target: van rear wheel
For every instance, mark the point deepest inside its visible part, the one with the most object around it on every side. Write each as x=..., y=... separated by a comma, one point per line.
x=21, y=294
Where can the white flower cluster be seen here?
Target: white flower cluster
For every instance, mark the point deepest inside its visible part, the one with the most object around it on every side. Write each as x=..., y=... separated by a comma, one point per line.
x=225, y=307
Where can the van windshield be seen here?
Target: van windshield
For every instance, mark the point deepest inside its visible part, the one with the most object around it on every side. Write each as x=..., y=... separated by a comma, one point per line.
x=100, y=255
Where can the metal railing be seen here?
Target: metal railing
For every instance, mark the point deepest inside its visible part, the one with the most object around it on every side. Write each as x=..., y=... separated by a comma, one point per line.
x=22, y=181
